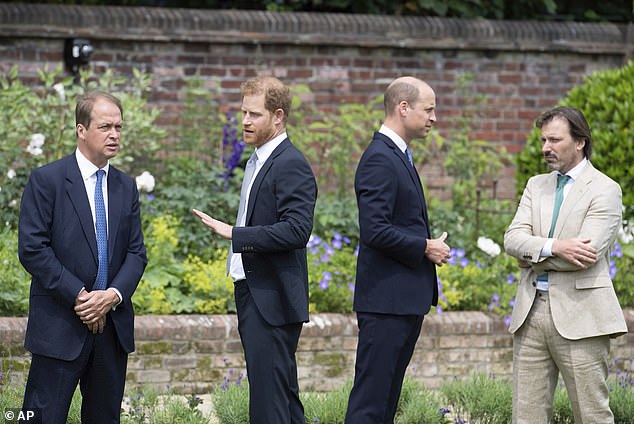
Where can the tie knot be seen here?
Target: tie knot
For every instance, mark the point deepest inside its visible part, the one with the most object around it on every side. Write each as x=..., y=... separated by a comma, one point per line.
x=100, y=173
x=562, y=180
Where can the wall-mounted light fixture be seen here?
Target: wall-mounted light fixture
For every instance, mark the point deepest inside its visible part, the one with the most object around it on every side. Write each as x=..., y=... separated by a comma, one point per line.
x=77, y=52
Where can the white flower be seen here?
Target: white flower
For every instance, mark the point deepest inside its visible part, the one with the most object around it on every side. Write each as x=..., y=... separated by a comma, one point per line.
x=13, y=203
x=59, y=87
x=35, y=145
x=488, y=246
x=626, y=234
x=11, y=174
x=145, y=182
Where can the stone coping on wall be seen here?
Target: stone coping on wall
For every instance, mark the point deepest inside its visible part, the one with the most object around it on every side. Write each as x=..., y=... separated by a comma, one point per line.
x=190, y=352
x=239, y=26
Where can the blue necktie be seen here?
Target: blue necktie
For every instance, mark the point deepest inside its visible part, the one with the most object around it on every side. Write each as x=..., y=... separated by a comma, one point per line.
x=102, y=235
x=409, y=156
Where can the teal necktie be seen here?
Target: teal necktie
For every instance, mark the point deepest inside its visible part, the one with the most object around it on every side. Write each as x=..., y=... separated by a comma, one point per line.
x=559, y=199
x=101, y=228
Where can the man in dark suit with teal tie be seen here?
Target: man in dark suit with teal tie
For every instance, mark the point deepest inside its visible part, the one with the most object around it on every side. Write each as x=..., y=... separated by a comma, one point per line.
x=267, y=260
x=396, y=281
x=80, y=239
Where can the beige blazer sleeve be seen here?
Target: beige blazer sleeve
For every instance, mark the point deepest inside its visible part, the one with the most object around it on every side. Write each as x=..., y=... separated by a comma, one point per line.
x=583, y=301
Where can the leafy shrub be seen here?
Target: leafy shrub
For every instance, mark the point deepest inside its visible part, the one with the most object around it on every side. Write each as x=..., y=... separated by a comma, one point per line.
x=331, y=273
x=14, y=281
x=42, y=126
x=605, y=99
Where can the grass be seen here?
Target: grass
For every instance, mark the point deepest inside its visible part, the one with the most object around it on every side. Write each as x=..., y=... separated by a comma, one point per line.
x=478, y=399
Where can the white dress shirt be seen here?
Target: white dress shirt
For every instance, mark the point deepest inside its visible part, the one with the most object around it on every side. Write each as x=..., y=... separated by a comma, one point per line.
x=236, y=269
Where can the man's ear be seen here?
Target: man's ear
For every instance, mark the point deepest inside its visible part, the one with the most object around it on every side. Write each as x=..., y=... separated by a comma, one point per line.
x=279, y=116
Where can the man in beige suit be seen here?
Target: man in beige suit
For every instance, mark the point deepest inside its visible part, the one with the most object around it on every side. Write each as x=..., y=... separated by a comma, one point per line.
x=566, y=309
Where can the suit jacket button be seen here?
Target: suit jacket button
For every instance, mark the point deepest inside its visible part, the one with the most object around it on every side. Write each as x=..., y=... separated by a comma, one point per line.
x=534, y=284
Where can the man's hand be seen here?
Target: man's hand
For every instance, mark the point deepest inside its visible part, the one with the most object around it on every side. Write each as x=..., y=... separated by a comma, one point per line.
x=98, y=327
x=92, y=307
x=437, y=250
x=576, y=251
x=219, y=227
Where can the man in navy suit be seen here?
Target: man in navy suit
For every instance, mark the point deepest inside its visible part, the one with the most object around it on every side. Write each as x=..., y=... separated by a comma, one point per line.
x=396, y=267
x=75, y=331
x=268, y=257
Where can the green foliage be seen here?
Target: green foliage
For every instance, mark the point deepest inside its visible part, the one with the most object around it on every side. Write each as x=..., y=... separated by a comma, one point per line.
x=328, y=407
x=481, y=398
x=606, y=98
x=580, y=10
x=331, y=274
x=487, y=399
x=483, y=284
x=416, y=404
x=170, y=285
x=475, y=166
x=194, y=175
x=47, y=113
x=14, y=281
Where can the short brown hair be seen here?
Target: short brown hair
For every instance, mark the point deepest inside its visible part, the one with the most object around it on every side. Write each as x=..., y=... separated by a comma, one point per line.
x=85, y=103
x=276, y=94
x=579, y=128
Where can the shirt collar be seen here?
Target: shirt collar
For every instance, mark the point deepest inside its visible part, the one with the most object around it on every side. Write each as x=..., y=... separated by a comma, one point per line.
x=86, y=167
x=576, y=171
x=265, y=150
x=396, y=139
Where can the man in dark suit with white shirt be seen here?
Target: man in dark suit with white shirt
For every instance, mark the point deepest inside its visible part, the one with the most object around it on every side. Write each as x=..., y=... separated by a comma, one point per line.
x=396, y=281
x=268, y=257
x=81, y=321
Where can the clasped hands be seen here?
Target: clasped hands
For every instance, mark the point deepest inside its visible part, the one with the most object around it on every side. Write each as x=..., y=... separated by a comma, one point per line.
x=92, y=307
x=437, y=250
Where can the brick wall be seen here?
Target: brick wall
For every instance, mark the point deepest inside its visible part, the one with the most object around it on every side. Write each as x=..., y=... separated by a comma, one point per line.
x=198, y=351
x=521, y=67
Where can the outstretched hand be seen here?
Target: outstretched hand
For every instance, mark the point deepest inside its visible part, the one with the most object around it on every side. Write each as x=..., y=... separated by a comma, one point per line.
x=437, y=250
x=219, y=227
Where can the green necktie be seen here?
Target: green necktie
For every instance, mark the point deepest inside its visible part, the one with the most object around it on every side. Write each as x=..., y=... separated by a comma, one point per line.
x=559, y=198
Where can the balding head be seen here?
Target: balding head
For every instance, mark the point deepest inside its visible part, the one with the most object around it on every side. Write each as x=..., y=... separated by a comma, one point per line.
x=410, y=107
x=408, y=89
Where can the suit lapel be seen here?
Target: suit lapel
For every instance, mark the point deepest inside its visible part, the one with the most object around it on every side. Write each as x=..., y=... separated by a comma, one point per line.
x=577, y=191
x=115, y=191
x=77, y=193
x=411, y=171
x=547, y=203
x=255, y=187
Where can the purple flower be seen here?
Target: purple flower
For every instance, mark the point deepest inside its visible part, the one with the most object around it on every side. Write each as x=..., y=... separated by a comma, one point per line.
x=510, y=279
x=464, y=262
x=613, y=269
x=507, y=320
x=337, y=244
x=351, y=287
x=326, y=275
x=323, y=284
x=617, y=251
x=324, y=258
x=329, y=250
x=346, y=240
x=313, y=241
x=356, y=251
